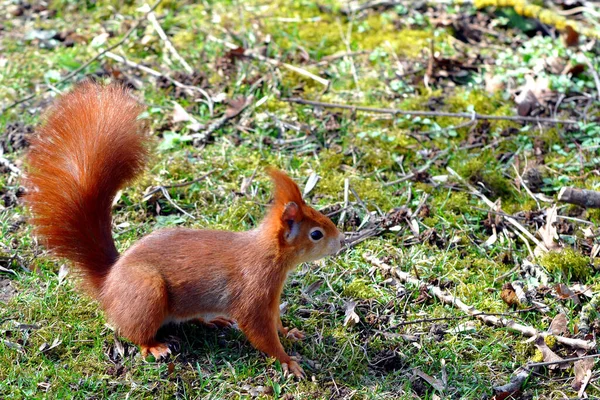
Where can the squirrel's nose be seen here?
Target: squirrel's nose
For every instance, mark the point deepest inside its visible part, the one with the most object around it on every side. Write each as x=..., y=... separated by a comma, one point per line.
x=342, y=240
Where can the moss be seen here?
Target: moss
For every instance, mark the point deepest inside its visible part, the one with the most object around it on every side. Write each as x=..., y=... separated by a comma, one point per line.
x=550, y=341
x=537, y=356
x=483, y=169
x=359, y=289
x=457, y=202
x=568, y=262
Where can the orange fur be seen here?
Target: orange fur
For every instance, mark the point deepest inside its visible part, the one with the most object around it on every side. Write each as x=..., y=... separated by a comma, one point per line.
x=89, y=147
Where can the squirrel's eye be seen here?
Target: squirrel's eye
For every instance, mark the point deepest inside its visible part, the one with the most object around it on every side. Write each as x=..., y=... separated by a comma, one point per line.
x=316, y=234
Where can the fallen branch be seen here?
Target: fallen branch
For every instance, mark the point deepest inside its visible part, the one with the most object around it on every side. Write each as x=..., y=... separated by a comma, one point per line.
x=581, y=197
x=470, y=310
x=395, y=111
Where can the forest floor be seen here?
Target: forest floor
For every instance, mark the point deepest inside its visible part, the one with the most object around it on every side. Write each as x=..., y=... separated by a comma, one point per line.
x=407, y=188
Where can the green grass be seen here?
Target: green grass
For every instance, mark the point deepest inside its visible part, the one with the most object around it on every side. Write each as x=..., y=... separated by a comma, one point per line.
x=361, y=361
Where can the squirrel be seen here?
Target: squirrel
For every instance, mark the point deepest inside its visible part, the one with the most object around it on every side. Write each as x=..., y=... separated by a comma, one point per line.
x=89, y=146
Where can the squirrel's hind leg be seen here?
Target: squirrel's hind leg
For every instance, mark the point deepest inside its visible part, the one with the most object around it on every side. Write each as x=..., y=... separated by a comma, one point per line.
x=135, y=299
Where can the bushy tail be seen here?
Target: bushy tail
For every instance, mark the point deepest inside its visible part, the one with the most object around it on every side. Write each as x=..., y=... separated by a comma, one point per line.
x=89, y=146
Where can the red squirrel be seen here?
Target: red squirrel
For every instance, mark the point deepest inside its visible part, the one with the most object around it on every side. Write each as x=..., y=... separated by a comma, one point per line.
x=90, y=145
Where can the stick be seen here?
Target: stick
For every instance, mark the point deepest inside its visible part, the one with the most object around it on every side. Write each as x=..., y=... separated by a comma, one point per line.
x=582, y=197
x=152, y=18
x=395, y=111
x=470, y=310
x=82, y=67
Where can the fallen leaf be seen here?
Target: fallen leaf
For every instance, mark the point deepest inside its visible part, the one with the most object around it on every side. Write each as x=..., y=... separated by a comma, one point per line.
x=564, y=293
x=62, y=273
x=434, y=382
x=509, y=296
x=583, y=369
x=571, y=36
x=181, y=115
x=236, y=106
x=558, y=326
x=548, y=232
x=310, y=183
x=351, y=316
x=548, y=355
x=492, y=239
x=313, y=287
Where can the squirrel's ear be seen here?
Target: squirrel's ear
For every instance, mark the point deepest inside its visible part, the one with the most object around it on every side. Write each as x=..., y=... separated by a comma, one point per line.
x=285, y=190
x=290, y=219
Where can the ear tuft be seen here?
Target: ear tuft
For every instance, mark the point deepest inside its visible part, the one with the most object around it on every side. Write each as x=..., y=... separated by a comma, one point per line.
x=285, y=190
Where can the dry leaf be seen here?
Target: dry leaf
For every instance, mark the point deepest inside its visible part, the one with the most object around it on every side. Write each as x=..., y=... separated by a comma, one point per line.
x=492, y=239
x=564, y=293
x=62, y=273
x=351, y=317
x=558, y=326
x=548, y=232
x=549, y=355
x=571, y=36
x=181, y=115
x=582, y=368
x=313, y=287
x=236, y=106
x=310, y=183
x=509, y=296
x=434, y=382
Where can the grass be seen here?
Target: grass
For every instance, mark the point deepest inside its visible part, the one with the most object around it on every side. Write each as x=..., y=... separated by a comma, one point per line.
x=342, y=361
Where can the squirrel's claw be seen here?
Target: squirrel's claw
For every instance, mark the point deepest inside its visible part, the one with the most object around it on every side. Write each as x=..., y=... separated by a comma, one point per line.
x=295, y=334
x=292, y=367
x=158, y=350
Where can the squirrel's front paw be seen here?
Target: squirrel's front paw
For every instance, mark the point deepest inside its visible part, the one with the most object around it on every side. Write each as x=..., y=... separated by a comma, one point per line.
x=292, y=367
x=294, y=334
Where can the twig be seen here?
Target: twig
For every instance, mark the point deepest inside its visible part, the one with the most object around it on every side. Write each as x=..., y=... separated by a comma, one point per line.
x=219, y=123
x=564, y=360
x=470, y=310
x=251, y=54
x=581, y=197
x=86, y=64
x=152, y=18
x=157, y=74
x=395, y=111
x=490, y=204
